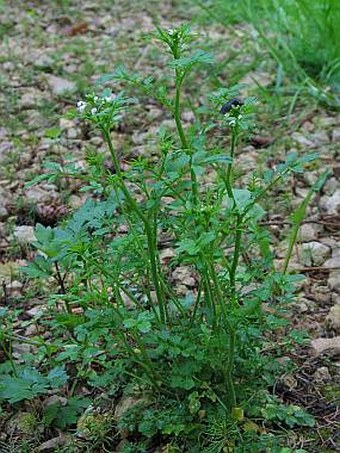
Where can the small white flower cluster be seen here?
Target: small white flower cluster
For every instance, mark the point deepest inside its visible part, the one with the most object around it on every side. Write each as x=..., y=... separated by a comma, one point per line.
x=233, y=120
x=81, y=106
x=97, y=103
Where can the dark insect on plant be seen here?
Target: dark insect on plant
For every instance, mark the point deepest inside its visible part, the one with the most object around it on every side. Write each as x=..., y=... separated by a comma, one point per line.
x=236, y=102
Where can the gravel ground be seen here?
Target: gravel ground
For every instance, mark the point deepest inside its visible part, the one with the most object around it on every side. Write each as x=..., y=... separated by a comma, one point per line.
x=50, y=54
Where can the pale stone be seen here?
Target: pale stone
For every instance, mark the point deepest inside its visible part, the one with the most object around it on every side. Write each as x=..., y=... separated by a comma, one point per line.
x=65, y=123
x=96, y=141
x=52, y=445
x=59, y=86
x=334, y=261
x=126, y=403
x=320, y=138
x=166, y=255
x=308, y=232
x=333, y=318
x=38, y=195
x=75, y=202
x=31, y=331
x=20, y=348
x=43, y=62
x=31, y=98
x=314, y=253
x=332, y=204
x=184, y=275
x=321, y=345
x=24, y=234
x=322, y=374
x=15, y=285
x=36, y=311
x=72, y=133
x=258, y=77
x=302, y=140
x=331, y=186
x=335, y=299
x=336, y=135
x=55, y=399
x=3, y=212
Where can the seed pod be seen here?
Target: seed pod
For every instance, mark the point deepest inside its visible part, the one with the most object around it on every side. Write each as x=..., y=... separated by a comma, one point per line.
x=230, y=104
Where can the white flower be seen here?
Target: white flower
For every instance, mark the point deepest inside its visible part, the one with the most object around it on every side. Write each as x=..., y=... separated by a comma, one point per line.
x=81, y=106
x=108, y=98
x=94, y=111
x=95, y=98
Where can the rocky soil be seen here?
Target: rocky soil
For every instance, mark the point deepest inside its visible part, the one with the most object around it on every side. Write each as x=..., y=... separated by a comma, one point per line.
x=49, y=55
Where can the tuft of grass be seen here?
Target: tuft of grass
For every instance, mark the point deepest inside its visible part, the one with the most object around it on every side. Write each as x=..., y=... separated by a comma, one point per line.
x=302, y=36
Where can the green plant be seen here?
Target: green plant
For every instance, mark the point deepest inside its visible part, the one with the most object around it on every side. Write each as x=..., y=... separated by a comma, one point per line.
x=118, y=320
x=27, y=383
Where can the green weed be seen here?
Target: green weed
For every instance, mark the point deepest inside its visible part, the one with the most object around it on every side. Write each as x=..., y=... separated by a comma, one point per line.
x=186, y=364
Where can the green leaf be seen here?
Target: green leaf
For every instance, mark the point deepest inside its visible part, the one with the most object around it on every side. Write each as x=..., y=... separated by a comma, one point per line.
x=57, y=377
x=218, y=159
x=182, y=382
x=242, y=197
x=39, y=268
x=142, y=323
x=43, y=234
x=62, y=416
x=199, y=56
x=15, y=389
x=189, y=246
x=37, y=179
x=53, y=133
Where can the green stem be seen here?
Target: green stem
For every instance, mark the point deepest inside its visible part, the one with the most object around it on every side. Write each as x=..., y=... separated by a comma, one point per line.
x=208, y=292
x=229, y=175
x=177, y=114
x=297, y=219
x=229, y=369
x=197, y=303
x=236, y=256
x=219, y=296
x=146, y=363
x=232, y=337
x=151, y=240
x=9, y=354
x=184, y=142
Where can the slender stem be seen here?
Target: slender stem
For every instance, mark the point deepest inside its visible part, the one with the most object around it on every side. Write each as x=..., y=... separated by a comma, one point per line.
x=59, y=278
x=297, y=219
x=9, y=353
x=210, y=296
x=230, y=367
x=151, y=240
x=219, y=295
x=228, y=180
x=236, y=257
x=232, y=337
x=184, y=142
x=197, y=302
x=177, y=114
x=146, y=363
